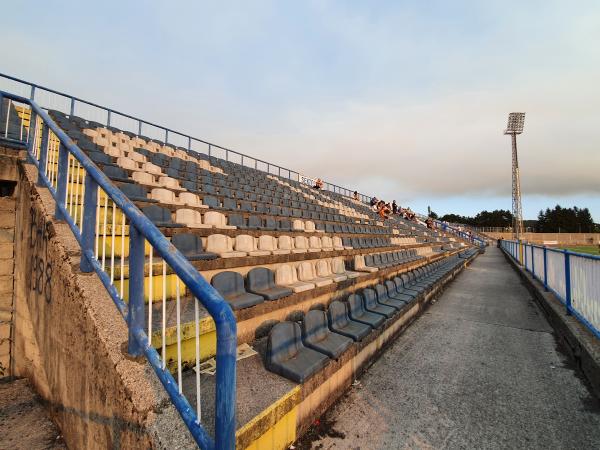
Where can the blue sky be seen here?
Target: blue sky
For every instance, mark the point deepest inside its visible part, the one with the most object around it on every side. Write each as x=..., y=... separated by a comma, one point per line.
x=406, y=100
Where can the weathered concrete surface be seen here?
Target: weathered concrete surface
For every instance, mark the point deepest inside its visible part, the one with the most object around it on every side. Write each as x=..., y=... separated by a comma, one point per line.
x=480, y=369
x=24, y=422
x=70, y=341
x=8, y=177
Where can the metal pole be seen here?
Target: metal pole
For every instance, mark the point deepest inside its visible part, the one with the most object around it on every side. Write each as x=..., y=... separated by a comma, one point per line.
x=88, y=230
x=61, y=183
x=516, y=191
x=135, y=318
x=43, y=153
x=568, y=282
x=545, y=268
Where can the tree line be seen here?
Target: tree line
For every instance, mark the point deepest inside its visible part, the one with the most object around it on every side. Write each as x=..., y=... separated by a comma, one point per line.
x=557, y=220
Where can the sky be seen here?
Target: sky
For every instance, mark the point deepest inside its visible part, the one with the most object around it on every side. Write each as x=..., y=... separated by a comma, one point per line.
x=405, y=100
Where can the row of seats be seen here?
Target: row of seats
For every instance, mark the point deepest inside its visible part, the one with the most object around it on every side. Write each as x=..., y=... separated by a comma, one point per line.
x=163, y=217
x=245, y=245
x=375, y=261
x=286, y=279
x=298, y=350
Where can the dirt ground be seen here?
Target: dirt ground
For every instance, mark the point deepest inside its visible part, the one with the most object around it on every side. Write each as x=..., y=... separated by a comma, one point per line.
x=24, y=421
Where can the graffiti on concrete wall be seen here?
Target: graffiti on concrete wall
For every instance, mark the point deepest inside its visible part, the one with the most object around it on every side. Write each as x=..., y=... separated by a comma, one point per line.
x=40, y=266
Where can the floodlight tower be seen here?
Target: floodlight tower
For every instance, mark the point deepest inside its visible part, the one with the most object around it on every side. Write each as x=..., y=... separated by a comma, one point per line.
x=516, y=121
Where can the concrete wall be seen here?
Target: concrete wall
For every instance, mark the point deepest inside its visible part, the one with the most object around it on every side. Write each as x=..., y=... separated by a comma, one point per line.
x=70, y=341
x=561, y=238
x=8, y=177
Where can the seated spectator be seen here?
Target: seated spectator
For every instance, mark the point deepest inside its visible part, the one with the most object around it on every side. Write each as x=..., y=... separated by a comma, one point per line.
x=394, y=207
x=373, y=201
x=318, y=184
x=383, y=209
x=355, y=195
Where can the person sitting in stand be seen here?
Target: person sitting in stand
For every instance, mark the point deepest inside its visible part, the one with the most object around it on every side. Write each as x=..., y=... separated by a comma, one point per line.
x=383, y=209
x=394, y=207
x=373, y=201
x=355, y=195
x=318, y=184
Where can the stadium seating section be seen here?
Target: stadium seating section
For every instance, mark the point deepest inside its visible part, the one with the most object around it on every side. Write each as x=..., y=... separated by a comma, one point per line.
x=262, y=239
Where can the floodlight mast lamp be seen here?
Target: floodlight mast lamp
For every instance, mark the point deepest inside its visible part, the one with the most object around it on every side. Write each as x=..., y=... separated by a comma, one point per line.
x=515, y=126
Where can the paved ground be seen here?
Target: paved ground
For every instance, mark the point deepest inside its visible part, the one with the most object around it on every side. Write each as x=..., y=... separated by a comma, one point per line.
x=480, y=369
x=24, y=422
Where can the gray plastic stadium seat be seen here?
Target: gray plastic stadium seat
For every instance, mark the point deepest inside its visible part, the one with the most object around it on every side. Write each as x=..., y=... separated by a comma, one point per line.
x=255, y=223
x=385, y=299
x=408, y=287
x=116, y=174
x=211, y=202
x=191, y=247
x=340, y=323
x=231, y=286
x=372, y=305
x=106, y=160
x=316, y=335
x=270, y=224
x=161, y=217
x=261, y=281
x=288, y=357
x=395, y=291
x=229, y=203
x=358, y=313
x=136, y=193
x=284, y=225
x=237, y=220
x=411, y=282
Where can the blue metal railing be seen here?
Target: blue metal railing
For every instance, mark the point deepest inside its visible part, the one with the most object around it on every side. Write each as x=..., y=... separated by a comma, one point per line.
x=78, y=186
x=462, y=234
x=137, y=125
x=573, y=277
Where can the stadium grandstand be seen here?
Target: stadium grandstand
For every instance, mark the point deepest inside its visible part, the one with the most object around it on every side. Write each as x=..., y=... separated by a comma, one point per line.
x=173, y=293
x=218, y=267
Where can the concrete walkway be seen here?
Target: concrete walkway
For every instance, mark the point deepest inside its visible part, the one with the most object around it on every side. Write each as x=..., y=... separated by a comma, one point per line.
x=480, y=369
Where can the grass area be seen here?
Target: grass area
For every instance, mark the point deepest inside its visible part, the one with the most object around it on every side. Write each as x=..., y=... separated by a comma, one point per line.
x=590, y=249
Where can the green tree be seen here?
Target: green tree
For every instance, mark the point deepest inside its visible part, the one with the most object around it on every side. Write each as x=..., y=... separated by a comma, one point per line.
x=565, y=220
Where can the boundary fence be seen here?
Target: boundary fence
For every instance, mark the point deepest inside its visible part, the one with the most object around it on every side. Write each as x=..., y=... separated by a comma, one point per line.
x=573, y=277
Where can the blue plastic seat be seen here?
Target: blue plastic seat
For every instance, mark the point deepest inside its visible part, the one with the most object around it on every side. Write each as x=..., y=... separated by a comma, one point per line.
x=231, y=286
x=372, y=305
x=255, y=223
x=287, y=356
x=161, y=217
x=237, y=220
x=358, y=313
x=339, y=322
x=211, y=202
x=191, y=247
x=385, y=299
x=136, y=192
x=261, y=281
x=317, y=335
x=116, y=173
